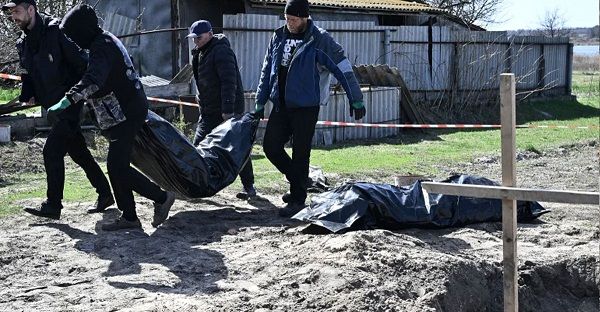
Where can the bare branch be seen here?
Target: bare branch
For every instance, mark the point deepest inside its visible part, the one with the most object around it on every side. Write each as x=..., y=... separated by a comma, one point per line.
x=471, y=11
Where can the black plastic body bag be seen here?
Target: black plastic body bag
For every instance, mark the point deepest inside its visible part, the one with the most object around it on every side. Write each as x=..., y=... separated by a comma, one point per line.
x=166, y=156
x=364, y=205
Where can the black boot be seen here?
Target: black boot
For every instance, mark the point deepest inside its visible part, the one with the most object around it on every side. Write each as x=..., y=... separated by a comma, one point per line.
x=122, y=224
x=247, y=193
x=291, y=209
x=287, y=197
x=161, y=211
x=103, y=202
x=45, y=210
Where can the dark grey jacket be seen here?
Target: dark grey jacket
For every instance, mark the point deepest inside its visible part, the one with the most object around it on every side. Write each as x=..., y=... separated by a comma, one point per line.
x=218, y=78
x=52, y=64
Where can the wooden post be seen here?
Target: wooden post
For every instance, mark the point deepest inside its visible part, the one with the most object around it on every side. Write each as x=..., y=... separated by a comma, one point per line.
x=175, y=37
x=569, y=71
x=509, y=207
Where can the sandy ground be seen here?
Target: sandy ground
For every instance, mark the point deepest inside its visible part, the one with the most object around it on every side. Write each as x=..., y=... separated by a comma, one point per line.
x=223, y=254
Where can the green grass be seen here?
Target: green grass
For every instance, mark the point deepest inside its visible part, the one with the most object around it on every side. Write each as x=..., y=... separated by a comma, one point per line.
x=586, y=84
x=423, y=154
x=381, y=160
x=33, y=186
x=8, y=94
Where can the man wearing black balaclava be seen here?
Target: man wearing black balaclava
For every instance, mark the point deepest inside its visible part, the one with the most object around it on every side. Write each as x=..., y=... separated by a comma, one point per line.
x=295, y=77
x=52, y=64
x=112, y=80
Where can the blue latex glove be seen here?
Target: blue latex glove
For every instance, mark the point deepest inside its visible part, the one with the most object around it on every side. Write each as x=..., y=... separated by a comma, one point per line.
x=259, y=111
x=57, y=108
x=357, y=109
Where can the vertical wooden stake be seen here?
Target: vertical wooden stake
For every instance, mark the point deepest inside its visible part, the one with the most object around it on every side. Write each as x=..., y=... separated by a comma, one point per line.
x=509, y=207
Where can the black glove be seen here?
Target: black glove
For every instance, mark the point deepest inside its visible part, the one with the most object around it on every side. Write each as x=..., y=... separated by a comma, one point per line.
x=357, y=109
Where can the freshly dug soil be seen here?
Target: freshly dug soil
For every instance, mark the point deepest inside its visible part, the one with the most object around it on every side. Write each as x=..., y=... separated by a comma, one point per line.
x=223, y=254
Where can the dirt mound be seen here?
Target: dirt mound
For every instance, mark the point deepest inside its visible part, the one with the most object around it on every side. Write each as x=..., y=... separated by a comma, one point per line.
x=222, y=254
x=22, y=157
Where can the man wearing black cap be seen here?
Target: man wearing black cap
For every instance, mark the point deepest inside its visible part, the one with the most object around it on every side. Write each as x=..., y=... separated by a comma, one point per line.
x=295, y=77
x=52, y=64
x=220, y=90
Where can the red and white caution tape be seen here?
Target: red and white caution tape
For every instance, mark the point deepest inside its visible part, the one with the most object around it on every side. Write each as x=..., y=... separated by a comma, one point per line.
x=9, y=76
x=558, y=127
x=159, y=100
x=416, y=126
x=372, y=125
x=443, y=126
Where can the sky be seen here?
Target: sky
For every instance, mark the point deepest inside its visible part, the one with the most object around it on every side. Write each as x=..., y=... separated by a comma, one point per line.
x=526, y=14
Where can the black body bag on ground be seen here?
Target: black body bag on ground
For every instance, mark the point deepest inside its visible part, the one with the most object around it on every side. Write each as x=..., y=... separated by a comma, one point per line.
x=166, y=156
x=363, y=205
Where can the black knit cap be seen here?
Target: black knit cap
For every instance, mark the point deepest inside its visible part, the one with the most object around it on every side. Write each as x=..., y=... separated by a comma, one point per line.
x=297, y=8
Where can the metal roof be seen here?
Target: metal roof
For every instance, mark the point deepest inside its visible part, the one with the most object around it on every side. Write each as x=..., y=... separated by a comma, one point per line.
x=380, y=5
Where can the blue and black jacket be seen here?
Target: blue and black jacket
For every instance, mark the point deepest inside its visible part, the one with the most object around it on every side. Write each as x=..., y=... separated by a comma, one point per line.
x=309, y=72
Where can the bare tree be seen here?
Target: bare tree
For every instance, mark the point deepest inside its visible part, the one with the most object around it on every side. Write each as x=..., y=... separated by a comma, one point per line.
x=553, y=24
x=481, y=12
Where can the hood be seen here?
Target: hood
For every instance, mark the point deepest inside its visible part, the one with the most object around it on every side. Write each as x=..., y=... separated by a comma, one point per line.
x=80, y=24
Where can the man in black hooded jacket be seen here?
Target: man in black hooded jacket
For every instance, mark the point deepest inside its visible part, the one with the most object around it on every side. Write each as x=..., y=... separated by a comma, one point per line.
x=220, y=91
x=111, y=75
x=51, y=65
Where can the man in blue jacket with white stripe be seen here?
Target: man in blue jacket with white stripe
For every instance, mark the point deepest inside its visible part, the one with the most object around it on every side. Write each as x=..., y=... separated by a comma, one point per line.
x=296, y=77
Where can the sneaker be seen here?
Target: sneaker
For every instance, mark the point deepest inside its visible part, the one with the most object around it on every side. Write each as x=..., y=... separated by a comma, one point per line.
x=290, y=209
x=122, y=224
x=45, y=210
x=247, y=193
x=287, y=197
x=161, y=211
x=103, y=202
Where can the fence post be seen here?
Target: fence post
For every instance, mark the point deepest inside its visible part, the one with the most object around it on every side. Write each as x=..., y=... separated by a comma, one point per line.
x=569, y=71
x=454, y=72
x=387, y=47
x=509, y=207
x=541, y=70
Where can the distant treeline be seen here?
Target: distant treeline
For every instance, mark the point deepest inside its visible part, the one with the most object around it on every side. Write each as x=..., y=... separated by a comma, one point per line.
x=580, y=35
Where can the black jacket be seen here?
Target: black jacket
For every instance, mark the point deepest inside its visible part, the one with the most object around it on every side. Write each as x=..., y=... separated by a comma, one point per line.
x=52, y=64
x=111, y=70
x=218, y=78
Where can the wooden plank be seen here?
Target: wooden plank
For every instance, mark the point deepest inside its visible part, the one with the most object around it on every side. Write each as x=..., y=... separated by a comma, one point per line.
x=509, y=206
x=184, y=76
x=512, y=193
x=168, y=91
x=14, y=106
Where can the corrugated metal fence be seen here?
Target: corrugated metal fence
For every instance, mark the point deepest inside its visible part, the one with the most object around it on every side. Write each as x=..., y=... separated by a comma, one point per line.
x=436, y=59
x=438, y=63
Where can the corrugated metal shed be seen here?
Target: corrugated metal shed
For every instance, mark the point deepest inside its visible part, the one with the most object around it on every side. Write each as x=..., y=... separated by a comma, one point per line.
x=434, y=61
x=386, y=5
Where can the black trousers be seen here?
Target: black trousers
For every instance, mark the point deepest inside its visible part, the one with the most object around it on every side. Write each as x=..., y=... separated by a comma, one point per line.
x=206, y=124
x=297, y=124
x=65, y=137
x=124, y=178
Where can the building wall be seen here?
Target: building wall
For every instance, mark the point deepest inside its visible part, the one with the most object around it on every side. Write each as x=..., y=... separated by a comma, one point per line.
x=151, y=53
x=430, y=59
